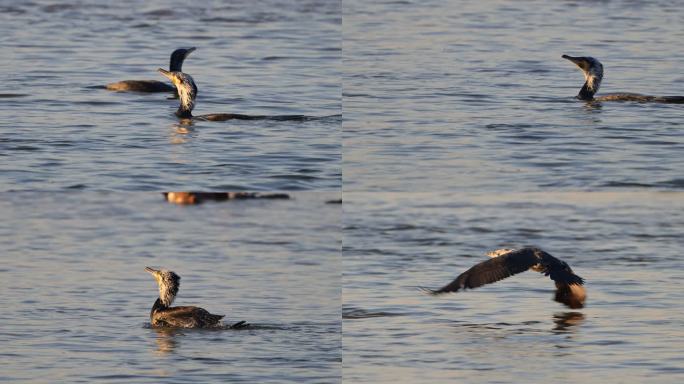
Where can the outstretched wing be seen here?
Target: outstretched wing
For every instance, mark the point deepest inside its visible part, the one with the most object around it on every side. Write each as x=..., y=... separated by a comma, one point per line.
x=492, y=270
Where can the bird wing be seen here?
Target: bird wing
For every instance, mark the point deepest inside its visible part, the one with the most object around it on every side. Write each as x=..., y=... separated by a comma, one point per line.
x=186, y=316
x=558, y=270
x=492, y=270
x=569, y=289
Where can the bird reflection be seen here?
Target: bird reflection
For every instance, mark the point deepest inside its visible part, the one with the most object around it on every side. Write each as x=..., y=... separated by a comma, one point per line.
x=180, y=132
x=166, y=340
x=566, y=321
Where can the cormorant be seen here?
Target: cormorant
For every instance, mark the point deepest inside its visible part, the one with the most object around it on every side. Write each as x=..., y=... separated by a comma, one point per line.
x=593, y=74
x=508, y=262
x=201, y=197
x=163, y=315
x=187, y=93
x=175, y=64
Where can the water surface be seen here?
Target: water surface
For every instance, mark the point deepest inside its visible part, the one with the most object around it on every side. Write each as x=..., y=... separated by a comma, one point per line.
x=473, y=95
x=78, y=298
x=263, y=58
x=627, y=245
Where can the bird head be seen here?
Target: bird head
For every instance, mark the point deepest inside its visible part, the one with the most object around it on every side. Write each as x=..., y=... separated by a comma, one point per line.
x=187, y=91
x=593, y=74
x=177, y=58
x=168, y=283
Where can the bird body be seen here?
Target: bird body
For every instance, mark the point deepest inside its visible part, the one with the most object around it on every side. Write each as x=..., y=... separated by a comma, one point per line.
x=182, y=317
x=508, y=262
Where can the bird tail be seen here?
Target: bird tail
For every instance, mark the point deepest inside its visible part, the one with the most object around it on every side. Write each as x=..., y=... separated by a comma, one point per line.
x=240, y=324
x=670, y=99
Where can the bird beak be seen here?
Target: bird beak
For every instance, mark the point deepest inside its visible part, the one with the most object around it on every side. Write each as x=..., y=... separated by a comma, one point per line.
x=166, y=73
x=189, y=50
x=579, y=61
x=151, y=270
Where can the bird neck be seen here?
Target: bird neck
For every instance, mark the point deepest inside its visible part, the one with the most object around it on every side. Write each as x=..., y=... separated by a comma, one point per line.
x=187, y=92
x=157, y=306
x=591, y=85
x=176, y=62
x=184, y=113
x=586, y=93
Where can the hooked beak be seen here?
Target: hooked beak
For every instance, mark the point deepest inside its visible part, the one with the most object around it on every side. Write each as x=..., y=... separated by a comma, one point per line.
x=189, y=51
x=579, y=61
x=151, y=270
x=167, y=74
x=571, y=58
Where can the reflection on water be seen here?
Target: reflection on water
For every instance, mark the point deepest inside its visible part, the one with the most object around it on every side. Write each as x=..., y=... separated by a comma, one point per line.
x=181, y=133
x=167, y=340
x=567, y=321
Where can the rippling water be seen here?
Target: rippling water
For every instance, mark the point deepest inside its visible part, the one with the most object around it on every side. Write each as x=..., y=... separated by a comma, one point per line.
x=265, y=58
x=473, y=95
x=627, y=245
x=77, y=298
x=461, y=134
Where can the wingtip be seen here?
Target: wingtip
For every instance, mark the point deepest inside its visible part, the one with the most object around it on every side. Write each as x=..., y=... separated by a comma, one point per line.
x=430, y=291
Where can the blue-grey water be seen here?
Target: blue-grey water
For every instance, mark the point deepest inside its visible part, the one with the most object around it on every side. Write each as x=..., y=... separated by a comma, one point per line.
x=627, y=245
x=253, y=57
x=76, y=298
x=474, y=95
x=460, y=134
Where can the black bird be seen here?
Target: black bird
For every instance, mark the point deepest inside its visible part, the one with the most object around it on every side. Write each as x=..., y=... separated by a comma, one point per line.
x=593, y=74
x=508, y=262
x=163, y=315
x=175, y=64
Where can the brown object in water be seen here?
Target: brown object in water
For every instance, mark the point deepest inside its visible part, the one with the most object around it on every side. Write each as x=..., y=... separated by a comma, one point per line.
x=200, y=197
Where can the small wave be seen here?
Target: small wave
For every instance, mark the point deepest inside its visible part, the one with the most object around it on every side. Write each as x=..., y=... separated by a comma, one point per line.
x=295, y=177
x=358, y=313
x=673, y=183
x=627, y=184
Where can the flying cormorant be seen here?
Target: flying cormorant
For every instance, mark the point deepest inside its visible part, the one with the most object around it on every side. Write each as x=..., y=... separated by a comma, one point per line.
x=508, y=262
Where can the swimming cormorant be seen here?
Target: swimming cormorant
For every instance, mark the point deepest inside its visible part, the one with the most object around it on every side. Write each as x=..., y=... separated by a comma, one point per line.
x=163, y=315
x=508, y=262
x=593, y=74
x=175, y=64
x=200, y=197
x=187, y=93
